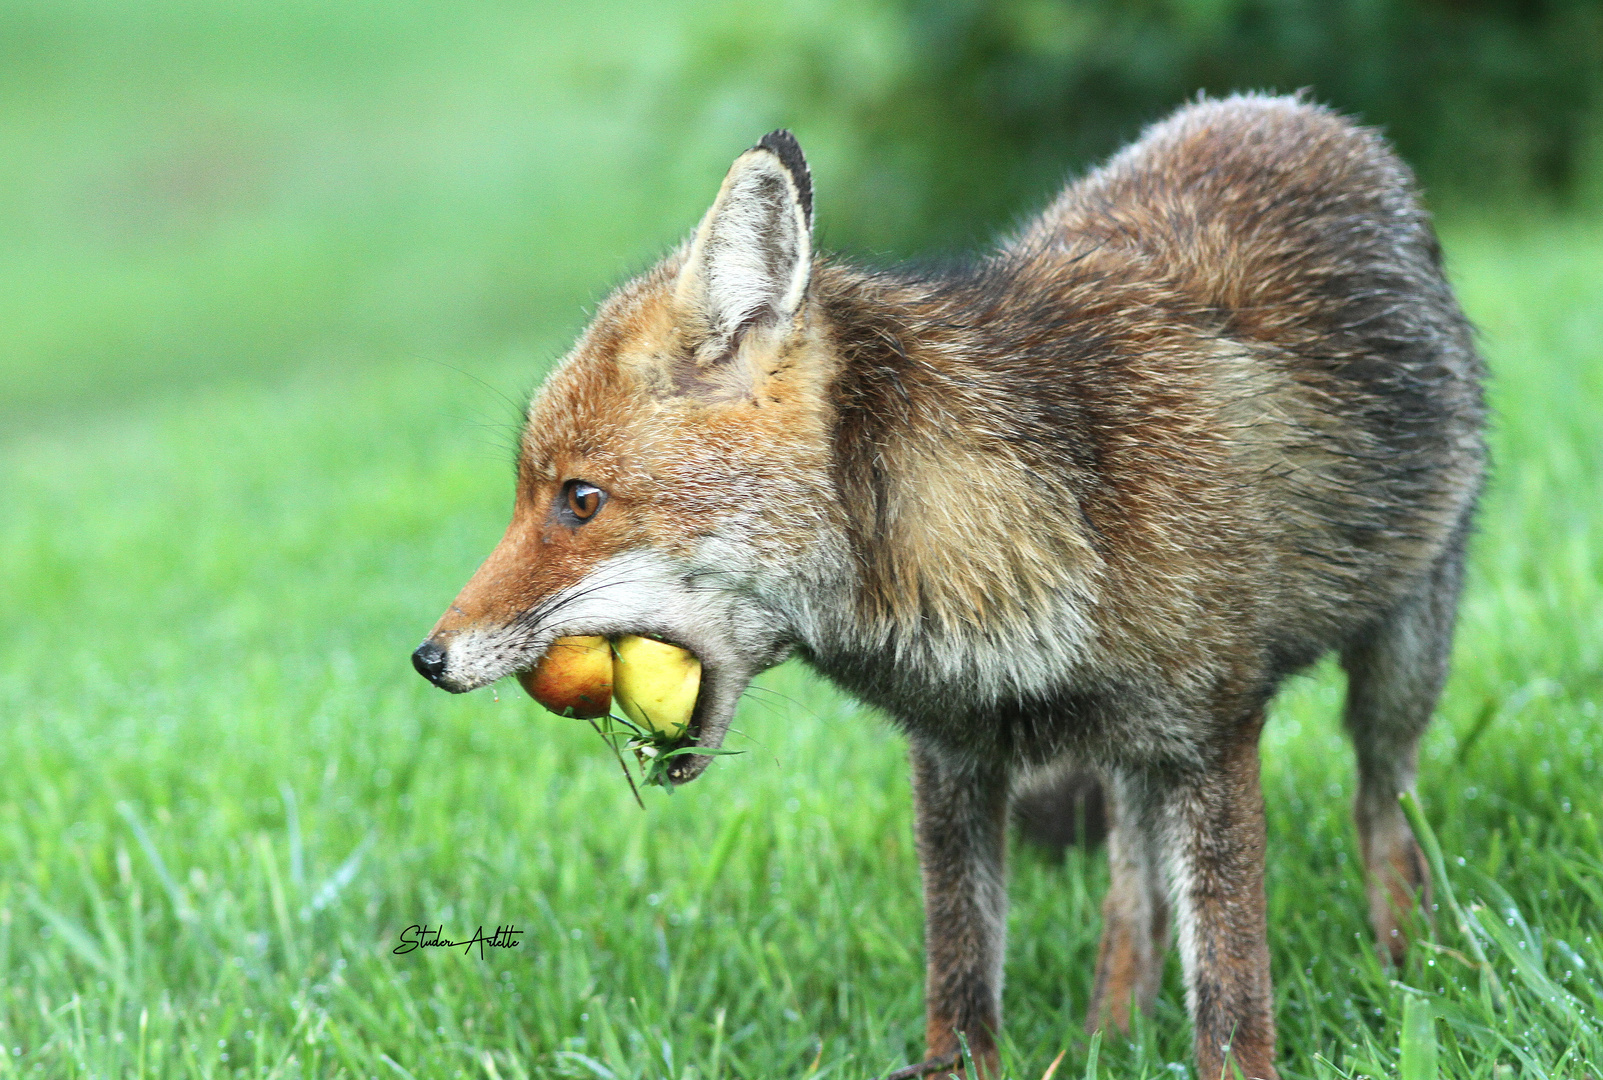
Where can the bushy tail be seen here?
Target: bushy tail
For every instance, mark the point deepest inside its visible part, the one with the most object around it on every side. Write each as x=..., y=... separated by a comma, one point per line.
x=1063, y=807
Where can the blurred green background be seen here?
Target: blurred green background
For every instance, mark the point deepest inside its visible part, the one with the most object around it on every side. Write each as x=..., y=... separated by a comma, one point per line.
x=275, y=279
x=204, y=190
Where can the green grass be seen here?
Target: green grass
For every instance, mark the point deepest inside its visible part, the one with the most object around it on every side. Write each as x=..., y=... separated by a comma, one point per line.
x=246, y=459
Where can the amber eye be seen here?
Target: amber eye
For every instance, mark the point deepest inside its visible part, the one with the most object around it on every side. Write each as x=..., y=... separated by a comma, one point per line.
x=582, y=500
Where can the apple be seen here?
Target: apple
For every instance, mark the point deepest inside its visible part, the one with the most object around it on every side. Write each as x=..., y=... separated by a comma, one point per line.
x=573, y=678
x=656, y=683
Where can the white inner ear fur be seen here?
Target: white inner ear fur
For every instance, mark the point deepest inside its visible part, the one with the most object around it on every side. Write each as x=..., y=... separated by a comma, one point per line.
x=752, y=254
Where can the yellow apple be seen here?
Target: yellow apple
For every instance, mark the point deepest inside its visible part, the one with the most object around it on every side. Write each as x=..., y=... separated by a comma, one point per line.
x=656, y=683
x=573, y=678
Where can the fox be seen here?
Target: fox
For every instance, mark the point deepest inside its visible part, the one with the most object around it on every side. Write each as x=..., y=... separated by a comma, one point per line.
x=1075, y=506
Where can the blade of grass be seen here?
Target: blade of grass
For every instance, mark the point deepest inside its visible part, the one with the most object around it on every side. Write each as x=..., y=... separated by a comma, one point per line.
x=621, y=764
x=76, y=938
x=275, y=890
x=1529, y=969
x=1438, y=869
x=731, y=832
x=181, y=909
x=335, y=883
x=1417, y=1049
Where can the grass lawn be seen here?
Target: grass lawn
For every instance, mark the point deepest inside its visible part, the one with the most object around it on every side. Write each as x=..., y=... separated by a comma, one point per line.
x=245, y=465
x=225, y=794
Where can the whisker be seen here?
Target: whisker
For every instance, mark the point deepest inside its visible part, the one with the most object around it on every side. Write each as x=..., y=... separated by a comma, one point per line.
x=783, y=697
x=769, y=707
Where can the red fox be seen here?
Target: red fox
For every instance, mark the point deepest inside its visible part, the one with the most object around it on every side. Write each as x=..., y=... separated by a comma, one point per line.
x=1083, y=502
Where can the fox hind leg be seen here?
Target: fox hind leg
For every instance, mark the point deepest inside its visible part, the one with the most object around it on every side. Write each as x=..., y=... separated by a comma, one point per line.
x=1395, y=672
x=1135, y=913
x=1188, y=850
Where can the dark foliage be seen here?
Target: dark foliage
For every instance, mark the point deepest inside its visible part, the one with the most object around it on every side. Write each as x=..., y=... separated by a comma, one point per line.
x=990, y=101
x=1483, y=97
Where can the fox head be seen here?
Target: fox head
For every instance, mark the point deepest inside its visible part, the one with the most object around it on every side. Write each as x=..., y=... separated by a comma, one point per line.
x=673, y=473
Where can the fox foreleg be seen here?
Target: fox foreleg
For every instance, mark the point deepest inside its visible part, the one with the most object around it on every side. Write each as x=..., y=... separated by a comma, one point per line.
x=1214, y=821
x=961, y=826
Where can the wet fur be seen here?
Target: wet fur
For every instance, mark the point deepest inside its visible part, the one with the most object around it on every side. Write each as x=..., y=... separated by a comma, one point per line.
x=1087, y=499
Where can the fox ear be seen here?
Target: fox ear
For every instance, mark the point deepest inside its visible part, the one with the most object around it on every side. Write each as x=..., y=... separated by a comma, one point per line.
x=751, y=257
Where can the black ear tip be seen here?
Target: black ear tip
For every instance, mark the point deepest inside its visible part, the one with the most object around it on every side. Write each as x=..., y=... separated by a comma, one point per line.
x=783, y=145
x=780, y=141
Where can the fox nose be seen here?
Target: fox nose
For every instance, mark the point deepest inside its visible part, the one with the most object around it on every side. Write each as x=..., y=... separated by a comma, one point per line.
x=429, y=661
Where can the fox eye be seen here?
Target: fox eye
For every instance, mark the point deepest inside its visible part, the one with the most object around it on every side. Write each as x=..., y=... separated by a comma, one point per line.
x=581, y=500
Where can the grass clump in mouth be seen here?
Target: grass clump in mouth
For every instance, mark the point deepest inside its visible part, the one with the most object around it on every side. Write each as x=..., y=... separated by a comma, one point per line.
x=653, y=750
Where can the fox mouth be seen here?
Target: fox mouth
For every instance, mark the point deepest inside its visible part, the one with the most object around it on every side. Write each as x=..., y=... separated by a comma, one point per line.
x=732, y=646
x=664, y=750
x=635, y=594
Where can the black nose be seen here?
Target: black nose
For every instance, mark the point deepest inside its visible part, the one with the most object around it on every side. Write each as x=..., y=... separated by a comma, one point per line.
x=429, y=661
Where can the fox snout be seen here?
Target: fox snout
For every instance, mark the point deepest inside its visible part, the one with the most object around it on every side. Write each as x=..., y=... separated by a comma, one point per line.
x=636, y=593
